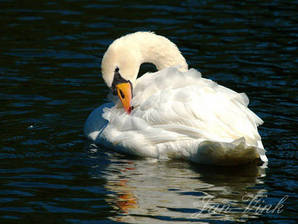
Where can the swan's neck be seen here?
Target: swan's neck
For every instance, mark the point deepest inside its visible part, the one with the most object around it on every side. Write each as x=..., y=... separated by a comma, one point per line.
x=127, y=53
x=161, y=52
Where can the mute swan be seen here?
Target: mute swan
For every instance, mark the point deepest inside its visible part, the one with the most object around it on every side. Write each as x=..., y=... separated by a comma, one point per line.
x=174, y=112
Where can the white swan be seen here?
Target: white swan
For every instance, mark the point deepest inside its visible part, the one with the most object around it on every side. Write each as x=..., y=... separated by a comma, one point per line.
x=172, y=113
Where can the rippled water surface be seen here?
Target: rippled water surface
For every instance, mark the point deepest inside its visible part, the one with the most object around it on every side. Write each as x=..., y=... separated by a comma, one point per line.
x=50, y=55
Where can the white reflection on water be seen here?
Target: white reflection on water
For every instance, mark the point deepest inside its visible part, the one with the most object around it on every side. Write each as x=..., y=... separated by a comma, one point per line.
x=150, y=191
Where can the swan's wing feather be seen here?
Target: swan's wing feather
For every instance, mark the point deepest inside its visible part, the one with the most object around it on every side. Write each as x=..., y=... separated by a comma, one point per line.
x=187, y=100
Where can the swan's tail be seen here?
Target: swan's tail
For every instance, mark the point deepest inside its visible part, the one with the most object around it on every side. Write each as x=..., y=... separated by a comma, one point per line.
x=229, y=154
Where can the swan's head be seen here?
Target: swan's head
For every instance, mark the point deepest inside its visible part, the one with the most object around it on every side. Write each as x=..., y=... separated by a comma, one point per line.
x=120, y=66
x=121, y=62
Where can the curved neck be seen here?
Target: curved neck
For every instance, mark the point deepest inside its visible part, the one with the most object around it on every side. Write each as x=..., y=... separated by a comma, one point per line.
x=130, y=51
x=161, y=52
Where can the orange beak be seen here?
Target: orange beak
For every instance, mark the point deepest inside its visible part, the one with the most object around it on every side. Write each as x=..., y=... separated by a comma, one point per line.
x=125, y=95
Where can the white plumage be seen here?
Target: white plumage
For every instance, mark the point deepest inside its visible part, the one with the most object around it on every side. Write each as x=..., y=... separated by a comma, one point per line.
x=179, y=114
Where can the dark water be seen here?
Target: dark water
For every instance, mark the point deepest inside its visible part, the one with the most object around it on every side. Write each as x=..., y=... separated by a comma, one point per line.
x=50, y=54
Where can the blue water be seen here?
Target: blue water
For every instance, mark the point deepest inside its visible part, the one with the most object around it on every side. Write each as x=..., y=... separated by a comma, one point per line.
x=50, y=81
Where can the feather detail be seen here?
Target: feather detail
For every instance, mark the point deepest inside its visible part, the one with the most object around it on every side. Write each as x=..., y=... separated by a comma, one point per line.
x=181, y=115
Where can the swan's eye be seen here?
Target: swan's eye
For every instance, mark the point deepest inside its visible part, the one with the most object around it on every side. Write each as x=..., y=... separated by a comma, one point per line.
x=114, y=91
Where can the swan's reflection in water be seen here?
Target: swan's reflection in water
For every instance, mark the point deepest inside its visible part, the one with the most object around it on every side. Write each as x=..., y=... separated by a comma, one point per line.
x=149, y=191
